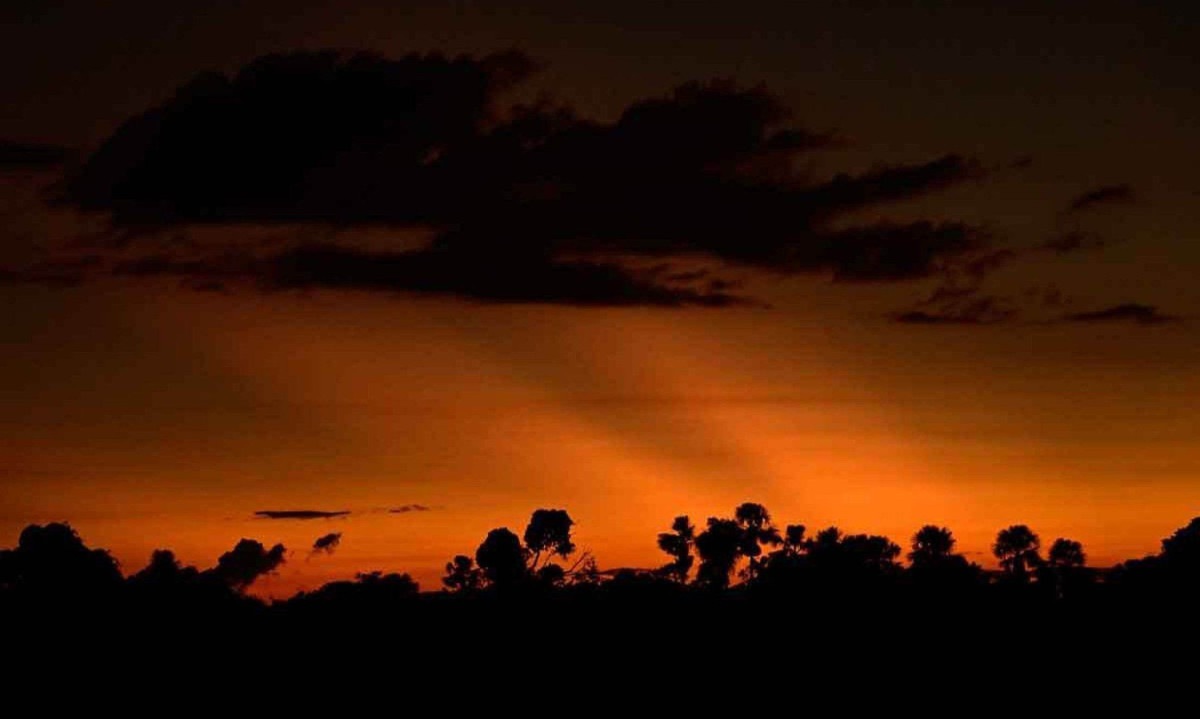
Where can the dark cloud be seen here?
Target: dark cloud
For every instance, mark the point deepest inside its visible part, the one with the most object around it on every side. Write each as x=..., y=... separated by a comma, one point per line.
x=229, y=266
x=986, y=263
x=921, y=317
x=1046, y=296
x=1074, y=241
x=949, y=294
x=31, y=156
x=302, y=136
x=959, y=298
x=889, y=252
x=499, y=278
x=299, y=514
x=978, y=311
x=1140, y=314
x=57, y=272
x=246, y=562
x=954, y=305
x=1107, y=195
x=406, y=508
x=327, y=543
x=523, y=203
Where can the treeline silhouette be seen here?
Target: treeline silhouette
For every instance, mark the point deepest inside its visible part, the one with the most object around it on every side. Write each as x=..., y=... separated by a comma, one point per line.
x=737, y=597
x=745, y=558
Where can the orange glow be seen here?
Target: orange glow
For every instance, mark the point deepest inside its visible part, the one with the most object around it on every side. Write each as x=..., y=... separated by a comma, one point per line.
x=625, y=419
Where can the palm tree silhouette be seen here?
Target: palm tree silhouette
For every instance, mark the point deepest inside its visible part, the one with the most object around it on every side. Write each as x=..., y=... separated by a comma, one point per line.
x=931, y=545
x=719, y=547
x=678, y=543
x=1066, y=553
x=757, y=532
x=1017, y=549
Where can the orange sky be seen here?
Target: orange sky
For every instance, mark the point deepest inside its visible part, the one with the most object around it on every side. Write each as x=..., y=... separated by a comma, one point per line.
x=148, y=415
x=624, y=417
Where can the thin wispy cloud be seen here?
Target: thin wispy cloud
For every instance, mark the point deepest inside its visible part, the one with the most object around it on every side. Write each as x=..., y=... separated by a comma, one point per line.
x=301, y=514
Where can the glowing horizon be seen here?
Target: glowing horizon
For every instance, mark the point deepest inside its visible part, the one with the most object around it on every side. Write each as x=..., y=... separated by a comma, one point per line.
x=625, y=435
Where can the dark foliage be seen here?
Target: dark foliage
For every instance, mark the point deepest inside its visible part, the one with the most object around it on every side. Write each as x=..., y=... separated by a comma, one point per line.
x=794, y=577
x=502, y=558
x=462, y=575
x=678, y=543
x=53, y=561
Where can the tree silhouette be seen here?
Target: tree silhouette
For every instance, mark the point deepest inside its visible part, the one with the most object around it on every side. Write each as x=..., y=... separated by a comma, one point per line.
x=935, y=571
x=247, y=561
x=1171, y=576
x=838, y=565
x=1182, y=549
x=551, y=574
x=1174, y=574
x=783, y=571
x=873, y=552
x=757, y=532
x=719, y=547
x=678, y=543
x=53, y=559
x=502, y=558
x=1017, y=549
x=51, y=566
x=371, y=593
x=1064, y=570
x=462, y=575
x=588, y=573
x=164, y=571
x=1066, y=553
x=825, y=542
x=793, y=539
x=393, y=582
x=931, y=545
x=548, y=532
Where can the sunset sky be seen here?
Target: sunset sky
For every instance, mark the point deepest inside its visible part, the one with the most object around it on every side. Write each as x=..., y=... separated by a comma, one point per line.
x=876, y=265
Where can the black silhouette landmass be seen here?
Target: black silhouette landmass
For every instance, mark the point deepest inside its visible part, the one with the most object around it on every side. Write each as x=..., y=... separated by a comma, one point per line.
x=741, y=595
x=744, y=560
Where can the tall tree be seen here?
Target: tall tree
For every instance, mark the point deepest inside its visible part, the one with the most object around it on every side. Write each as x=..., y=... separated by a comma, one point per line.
x=678, y=544
x=1017, y=549
x=757, y=532
x=502, y=558
x=719, y=546
x=931, y=545
x=793, y=539
x=548, y=533
x=1064, y=570
x=757, y=529
x=1066, y=553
